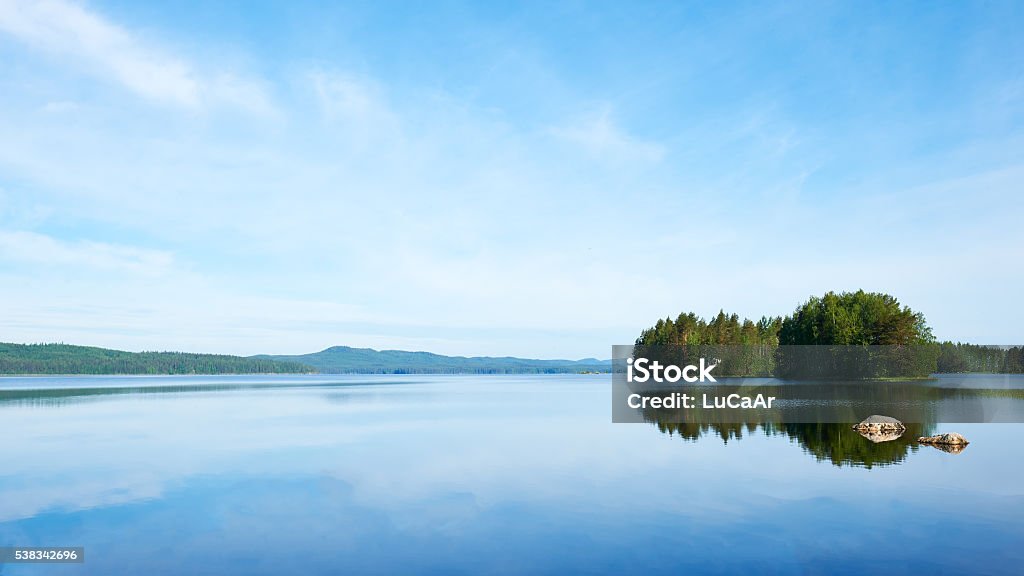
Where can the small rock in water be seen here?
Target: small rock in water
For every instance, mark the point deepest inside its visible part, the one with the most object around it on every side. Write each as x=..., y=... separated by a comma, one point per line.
x=880, y=425
x=948, y=439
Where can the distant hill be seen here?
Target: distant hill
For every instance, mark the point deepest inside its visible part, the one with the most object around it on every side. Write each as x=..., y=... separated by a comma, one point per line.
x=68, y=359
x=346, y=360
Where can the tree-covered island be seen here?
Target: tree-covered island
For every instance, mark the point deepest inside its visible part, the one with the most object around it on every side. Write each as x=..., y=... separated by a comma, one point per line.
x=845, y=326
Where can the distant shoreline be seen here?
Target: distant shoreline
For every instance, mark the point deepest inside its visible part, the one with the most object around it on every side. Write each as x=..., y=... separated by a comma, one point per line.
x=305, y=374
x=70, y=360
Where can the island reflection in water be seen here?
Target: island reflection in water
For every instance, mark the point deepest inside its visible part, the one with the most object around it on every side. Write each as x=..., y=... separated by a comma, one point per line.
x=837, y=443
x=806, y=413
x=476, y=475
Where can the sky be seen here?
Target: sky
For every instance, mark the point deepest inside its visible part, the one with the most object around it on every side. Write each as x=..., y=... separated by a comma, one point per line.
x=486, y=178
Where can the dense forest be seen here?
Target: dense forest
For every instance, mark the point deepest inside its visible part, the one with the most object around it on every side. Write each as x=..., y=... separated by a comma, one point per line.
x=68, y=359
x=846, y=319
x=966, y=358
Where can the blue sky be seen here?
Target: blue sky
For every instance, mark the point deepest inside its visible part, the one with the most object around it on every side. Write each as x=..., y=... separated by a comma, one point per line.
x=488, y=178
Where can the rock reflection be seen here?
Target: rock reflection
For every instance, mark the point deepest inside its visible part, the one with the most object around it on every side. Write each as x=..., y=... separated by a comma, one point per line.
x=877, y=436
x=949, y=448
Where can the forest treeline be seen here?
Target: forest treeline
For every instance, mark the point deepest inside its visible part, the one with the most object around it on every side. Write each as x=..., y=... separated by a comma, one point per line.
x=68, y=359
x=844, y=319
x=967, y=358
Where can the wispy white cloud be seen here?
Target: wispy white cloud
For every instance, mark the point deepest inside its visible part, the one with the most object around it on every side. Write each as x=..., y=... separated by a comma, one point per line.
x=356, y=103
x=72, y=32
x=69, y=30
x=600, y=136
x=35, y=248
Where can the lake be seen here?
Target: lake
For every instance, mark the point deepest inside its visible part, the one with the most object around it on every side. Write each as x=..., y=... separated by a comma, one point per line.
x=477, y=475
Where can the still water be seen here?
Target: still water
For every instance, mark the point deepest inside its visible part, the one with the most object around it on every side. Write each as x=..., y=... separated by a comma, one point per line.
x=477, y=475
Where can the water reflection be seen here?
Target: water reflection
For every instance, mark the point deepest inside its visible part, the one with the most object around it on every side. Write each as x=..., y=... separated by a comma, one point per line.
x=877, y=436
x=34, y=395
x=481, y=475
x=837, y=443
x=949, y=448
x=819, y=416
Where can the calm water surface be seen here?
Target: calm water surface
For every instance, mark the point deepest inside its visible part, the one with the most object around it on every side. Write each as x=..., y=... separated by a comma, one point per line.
x=470, y=475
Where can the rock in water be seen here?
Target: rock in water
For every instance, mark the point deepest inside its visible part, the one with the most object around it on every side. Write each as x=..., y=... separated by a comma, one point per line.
x=948, y=439
x=880, y=425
